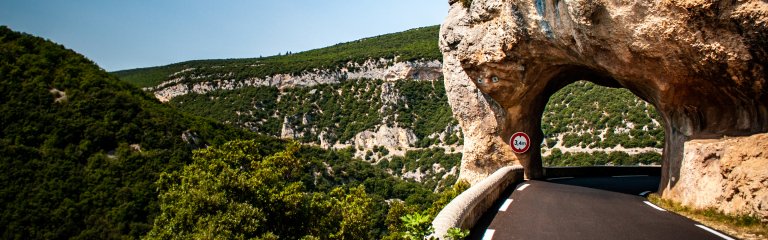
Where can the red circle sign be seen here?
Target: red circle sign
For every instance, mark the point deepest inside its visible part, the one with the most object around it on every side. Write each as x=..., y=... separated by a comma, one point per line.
x=520, y=142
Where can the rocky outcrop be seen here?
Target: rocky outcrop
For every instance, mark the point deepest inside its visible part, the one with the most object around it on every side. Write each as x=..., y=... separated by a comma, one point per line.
x=372, y=69
x=389, y=137
x=726, y=174
x=701, y=64
x=484, y=150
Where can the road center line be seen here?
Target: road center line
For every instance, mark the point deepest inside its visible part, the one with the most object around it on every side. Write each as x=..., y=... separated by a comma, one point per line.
x=505, y=205
x=523, y=187
x=488, y=234
x=643, y=193
x=714, y=232
x=631, y=176
x=654, y=206
x=558, y=178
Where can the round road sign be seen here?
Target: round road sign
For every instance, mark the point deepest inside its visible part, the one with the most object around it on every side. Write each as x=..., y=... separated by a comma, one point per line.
x=520, y=142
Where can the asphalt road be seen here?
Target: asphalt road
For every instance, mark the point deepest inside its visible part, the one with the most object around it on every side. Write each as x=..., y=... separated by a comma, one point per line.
x=585, y=208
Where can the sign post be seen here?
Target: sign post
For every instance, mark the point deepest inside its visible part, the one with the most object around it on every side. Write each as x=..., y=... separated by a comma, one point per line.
x=520, y=142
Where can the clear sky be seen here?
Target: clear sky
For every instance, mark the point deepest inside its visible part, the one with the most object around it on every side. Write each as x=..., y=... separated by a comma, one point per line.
x=124, y=34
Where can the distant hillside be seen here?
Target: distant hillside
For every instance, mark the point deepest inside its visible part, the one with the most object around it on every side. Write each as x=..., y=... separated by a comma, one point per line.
x=367, y=99
x=83, y=153
x=415, y=44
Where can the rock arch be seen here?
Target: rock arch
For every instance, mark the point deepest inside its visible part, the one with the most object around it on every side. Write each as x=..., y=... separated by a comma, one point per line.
x=702, y=64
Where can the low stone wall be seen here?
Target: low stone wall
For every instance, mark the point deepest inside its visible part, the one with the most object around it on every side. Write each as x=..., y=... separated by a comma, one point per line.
x=601, y=171
x=467, y=208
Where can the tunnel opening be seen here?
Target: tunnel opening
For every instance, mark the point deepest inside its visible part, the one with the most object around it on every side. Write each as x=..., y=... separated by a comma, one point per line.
x=587, y=124
x=604, y=124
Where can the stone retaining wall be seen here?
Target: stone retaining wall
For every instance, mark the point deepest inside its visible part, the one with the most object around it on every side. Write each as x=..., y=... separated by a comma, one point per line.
x=467, y=208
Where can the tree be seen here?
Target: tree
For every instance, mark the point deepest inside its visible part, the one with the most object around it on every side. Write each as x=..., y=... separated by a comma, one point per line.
x=223, y=194
x=418, y=226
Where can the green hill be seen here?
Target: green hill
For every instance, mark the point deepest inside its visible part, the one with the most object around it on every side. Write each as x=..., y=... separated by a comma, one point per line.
x=581, y=116
x=83, y=153
x=419, y=43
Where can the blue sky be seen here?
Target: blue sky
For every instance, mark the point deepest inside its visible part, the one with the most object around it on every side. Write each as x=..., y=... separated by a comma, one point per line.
x=128, y=34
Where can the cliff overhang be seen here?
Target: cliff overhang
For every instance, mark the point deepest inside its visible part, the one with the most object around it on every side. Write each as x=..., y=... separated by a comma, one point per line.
x=701, y=64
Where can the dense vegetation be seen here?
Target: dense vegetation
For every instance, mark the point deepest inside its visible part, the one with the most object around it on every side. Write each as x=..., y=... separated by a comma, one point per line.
x=82, y=154
x=600, y=158
x=590, y=116
x=239, y=191
x=333, y=112
x=433, y=163
x=419, y=43
x=80, y=150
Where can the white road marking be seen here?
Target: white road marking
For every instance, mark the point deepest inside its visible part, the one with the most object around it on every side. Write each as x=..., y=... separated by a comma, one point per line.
x=523, y=187
x=631, y=176
x=654, y=206
x=488, y=234
x=714, y=232
x=558, y=178
x=643, y=193
x=505, y=205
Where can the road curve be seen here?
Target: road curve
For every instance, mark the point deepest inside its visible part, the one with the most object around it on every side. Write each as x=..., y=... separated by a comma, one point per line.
x=585, y=208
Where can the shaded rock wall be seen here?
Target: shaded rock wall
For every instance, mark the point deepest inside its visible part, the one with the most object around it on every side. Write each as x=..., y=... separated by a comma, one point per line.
x=702, y=64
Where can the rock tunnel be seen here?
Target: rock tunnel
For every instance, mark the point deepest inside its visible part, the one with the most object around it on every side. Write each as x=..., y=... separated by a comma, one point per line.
x=701, y=64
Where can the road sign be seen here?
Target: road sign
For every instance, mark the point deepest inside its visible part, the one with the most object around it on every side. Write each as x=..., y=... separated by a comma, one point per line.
x=520, y=142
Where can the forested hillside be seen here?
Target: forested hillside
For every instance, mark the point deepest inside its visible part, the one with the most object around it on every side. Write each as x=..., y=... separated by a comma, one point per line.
x=85, y=155
x=415, y=44
x=586, y=124
x=316, y=97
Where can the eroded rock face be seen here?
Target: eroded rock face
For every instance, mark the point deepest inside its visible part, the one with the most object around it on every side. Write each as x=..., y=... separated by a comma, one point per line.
x=386, y=69
x=702, y=64
x=728, y=175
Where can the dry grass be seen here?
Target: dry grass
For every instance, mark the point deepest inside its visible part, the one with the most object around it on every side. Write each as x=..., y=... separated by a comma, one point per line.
x=743, y=227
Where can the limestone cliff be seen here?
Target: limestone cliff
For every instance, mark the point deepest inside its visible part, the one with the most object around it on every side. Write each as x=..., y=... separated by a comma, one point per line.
x=386, y=69
x=701, y=64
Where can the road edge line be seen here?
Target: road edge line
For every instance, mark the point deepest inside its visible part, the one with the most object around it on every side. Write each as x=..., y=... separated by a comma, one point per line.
x=488, y=235
x=506, y=204
x=719, y=234
x=654, y=206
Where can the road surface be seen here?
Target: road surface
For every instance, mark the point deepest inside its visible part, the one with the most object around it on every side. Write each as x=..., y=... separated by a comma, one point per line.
x=586, y=208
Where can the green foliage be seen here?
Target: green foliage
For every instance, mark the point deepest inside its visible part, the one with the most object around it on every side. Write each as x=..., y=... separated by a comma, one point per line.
x=252, y=108
x=422, y=106
x=557, y=158
x=422, y=160
x=582, y=112
x=399, y=222
x=414, y=44
x=456, y=234
x=88, y=166
x=236, y=192
x=84, y=166
x=417, y=226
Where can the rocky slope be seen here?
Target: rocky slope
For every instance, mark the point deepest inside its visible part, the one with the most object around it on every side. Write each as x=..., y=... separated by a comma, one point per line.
x=385, y=107
x=386, y=69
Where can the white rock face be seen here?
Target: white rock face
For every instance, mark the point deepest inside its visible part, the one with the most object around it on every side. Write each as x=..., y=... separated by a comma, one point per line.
x=371, y=69
x=483, y=151
x=389, y=137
